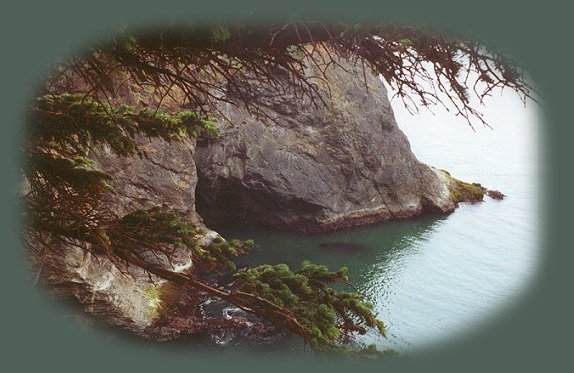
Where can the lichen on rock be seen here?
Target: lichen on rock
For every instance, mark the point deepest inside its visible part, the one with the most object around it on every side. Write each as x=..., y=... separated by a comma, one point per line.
x=153, y=293
x=461, y=191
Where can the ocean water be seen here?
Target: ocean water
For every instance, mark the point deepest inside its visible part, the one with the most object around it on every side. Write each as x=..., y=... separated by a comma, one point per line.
x=436, y=277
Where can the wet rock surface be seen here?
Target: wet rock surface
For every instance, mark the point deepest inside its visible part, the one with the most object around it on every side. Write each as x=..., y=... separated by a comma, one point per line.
x=495, y=194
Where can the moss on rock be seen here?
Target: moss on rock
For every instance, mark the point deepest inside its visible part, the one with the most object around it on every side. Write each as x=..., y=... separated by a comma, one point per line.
x=461, y=191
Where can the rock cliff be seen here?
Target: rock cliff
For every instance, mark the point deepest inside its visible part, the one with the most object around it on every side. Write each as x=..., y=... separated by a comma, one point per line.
x=129, y=298
x=316, y=167
x=313, y=168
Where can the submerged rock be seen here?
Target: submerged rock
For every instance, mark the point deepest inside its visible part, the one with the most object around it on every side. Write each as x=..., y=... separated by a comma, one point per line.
x=342, y=247
x=317, y=168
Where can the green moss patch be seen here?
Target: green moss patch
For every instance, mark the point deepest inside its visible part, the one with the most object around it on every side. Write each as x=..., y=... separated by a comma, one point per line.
x=466, y=192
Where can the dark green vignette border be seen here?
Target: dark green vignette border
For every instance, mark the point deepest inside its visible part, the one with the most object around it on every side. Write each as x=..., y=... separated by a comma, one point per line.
x=534, y=336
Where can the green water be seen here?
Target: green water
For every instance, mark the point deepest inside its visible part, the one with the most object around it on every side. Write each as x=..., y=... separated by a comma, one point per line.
x=436, y=277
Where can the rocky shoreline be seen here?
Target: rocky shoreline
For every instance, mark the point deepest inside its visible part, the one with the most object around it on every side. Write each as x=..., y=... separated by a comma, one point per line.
x=312, y=169
x=316, y=169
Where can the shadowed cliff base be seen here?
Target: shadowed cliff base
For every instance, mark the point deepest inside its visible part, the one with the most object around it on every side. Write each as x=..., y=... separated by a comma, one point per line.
x=316, y=169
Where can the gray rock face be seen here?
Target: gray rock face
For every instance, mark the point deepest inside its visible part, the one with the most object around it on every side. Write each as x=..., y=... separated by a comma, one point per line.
x=317, y=168
x=128, y=299
x=167, y=177
x=314, y=168
x=131, y=300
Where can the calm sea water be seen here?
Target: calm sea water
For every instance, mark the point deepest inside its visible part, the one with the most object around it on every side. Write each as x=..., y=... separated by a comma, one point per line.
x=435, y=277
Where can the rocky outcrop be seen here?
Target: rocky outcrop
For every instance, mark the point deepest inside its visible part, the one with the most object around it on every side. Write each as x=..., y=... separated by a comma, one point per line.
x=166, y=176
x=317, y=167
x=313, y=168
x=130, y=298
x=461, y=191
x=127, y=298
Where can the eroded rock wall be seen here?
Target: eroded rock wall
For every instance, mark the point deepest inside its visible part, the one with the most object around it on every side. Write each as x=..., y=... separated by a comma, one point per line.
x=166, y=176
x=316, y=167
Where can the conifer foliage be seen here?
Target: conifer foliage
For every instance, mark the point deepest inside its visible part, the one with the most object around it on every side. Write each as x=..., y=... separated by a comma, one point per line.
x=64, y=194
x=65, y=207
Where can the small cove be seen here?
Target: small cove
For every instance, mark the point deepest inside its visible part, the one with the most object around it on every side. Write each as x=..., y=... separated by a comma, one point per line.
x=434, y=277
